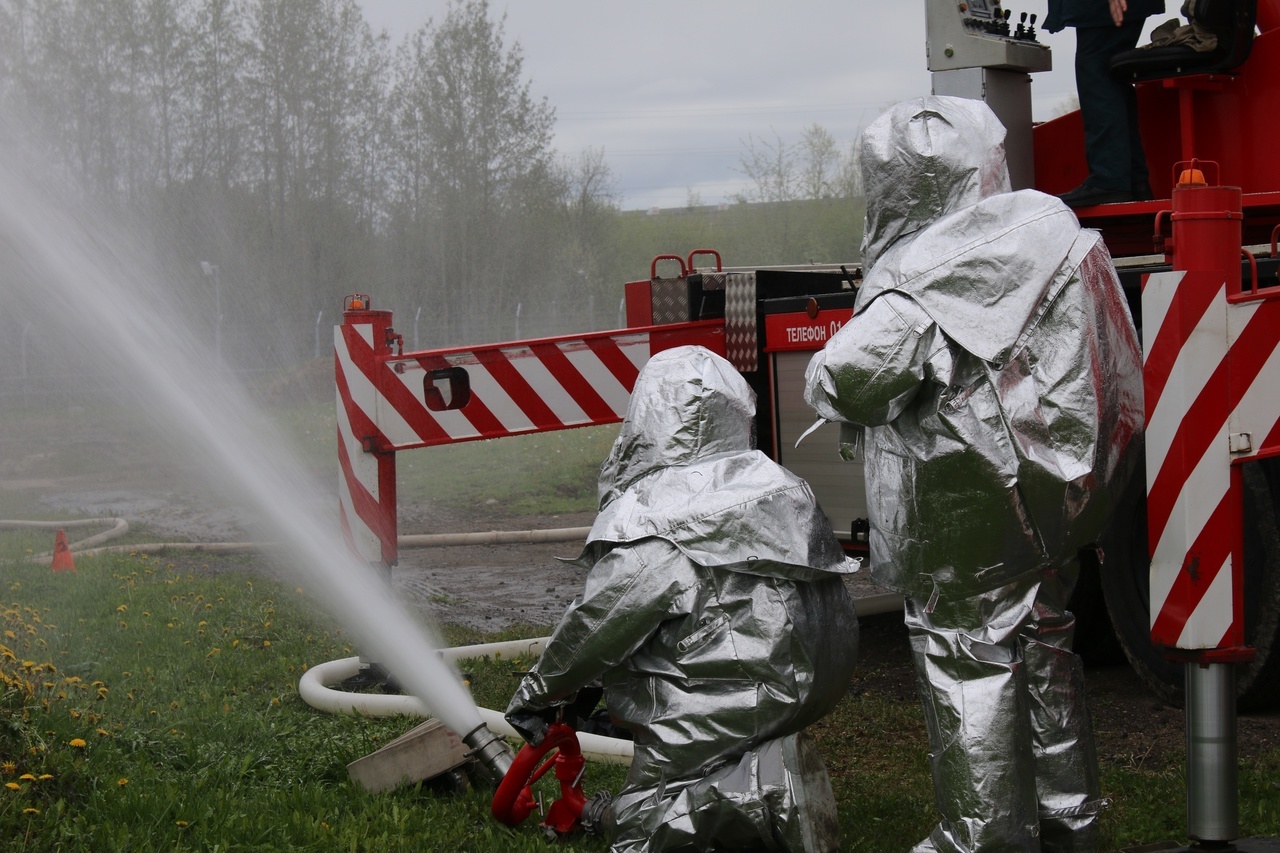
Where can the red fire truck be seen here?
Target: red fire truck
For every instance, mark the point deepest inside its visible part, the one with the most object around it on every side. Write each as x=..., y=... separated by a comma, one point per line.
x=1192, y=562
x=1187, y=579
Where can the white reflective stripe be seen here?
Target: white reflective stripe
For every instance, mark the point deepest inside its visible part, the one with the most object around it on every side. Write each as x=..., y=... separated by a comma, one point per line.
x=365, y=474
x=1209, y=622
x=365, y=330
x=549, y=389
x=364, y=470
x=637, y=350
x=1259, y=408
x=601, y=380
x=1197, y=499
x=1157, y=296
x=363, y=395
x=499, y=402
x=1199, y=357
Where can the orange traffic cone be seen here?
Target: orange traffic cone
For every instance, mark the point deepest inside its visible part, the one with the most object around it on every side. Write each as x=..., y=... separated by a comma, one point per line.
x=62, y=561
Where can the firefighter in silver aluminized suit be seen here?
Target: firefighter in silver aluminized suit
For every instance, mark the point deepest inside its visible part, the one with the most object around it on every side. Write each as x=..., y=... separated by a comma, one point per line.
x=992, y=369
x=715, y=616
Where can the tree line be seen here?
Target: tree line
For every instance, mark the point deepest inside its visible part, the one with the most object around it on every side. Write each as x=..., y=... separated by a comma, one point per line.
x=301, y=156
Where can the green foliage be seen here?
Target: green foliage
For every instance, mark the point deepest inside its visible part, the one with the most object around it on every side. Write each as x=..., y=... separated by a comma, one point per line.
x=796, y=232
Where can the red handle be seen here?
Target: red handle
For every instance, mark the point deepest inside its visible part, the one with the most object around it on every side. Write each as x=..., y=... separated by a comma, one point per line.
x=514, y=801
x=697, y=252
x=653, y=267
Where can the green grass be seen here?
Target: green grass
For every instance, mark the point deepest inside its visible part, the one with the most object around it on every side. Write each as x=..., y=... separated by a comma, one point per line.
x=148, y=705
x=544, y=473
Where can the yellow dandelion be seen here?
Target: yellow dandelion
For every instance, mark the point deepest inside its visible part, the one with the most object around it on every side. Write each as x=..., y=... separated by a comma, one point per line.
x=30, y=810
x=122, y=608
x=13, y=786
x=104, y=732
x=77, y=743
x=8, y=768
x=266, y=644
x=181, y=823
x=27, y=777
x=45, y=777
x=122, y=782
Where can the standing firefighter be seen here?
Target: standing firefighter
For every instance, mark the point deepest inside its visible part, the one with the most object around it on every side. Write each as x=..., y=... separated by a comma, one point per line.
x=992, y=361
x=716, y=619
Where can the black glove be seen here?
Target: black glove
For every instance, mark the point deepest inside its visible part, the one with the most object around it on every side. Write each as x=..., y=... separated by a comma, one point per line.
x=532, y=725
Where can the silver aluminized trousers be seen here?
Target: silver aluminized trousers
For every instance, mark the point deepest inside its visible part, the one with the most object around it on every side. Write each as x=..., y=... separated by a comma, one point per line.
x=775, y=798
x=1011, y=746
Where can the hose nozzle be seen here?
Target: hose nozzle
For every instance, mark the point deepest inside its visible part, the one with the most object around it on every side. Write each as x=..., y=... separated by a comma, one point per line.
x=491, y=753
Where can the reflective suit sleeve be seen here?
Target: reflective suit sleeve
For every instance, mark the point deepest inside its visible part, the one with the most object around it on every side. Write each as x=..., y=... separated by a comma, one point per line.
x=871, y=369
x=629, y=593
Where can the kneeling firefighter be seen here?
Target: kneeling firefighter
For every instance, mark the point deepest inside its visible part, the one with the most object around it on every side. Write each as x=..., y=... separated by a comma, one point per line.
x=992, y=369
x=716, y=619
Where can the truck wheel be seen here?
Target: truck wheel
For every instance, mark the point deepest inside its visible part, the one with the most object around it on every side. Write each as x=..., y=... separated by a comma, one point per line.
x=1126, y=588
x=1259, y=681
x=1095, y=639
x=1125, y=585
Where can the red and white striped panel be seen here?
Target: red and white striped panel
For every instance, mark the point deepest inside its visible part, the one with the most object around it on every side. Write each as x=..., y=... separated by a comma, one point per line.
x=533, y=386
x=1212, y=370
x=366, y=485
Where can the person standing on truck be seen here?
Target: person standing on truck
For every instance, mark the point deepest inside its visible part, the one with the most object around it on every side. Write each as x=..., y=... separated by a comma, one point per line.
x=709, y=615
x=1108, y=107
x=992, y=377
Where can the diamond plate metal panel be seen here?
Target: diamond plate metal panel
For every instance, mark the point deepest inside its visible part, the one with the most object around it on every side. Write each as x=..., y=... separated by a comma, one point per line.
x=670, y=299
x=740, y=334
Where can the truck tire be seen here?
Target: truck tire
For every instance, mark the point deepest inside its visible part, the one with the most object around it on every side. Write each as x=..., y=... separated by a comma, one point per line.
x=1125, y=586
x=1095, y=639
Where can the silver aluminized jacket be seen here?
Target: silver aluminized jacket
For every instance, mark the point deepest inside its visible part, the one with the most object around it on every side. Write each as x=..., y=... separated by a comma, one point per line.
x=993, y=364
x=714, y=614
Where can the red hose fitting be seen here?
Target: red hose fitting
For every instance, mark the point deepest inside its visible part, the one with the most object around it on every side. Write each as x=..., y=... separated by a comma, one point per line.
x=514, y=800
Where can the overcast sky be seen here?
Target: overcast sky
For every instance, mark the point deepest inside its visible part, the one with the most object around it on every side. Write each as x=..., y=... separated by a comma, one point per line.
x=672, y=89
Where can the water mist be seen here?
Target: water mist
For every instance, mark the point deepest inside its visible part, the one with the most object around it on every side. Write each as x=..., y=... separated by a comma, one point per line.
x=90, y=284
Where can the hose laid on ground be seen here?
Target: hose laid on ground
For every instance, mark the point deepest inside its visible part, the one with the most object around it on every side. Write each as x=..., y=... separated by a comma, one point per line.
x=119, y=527
x=315, y=691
